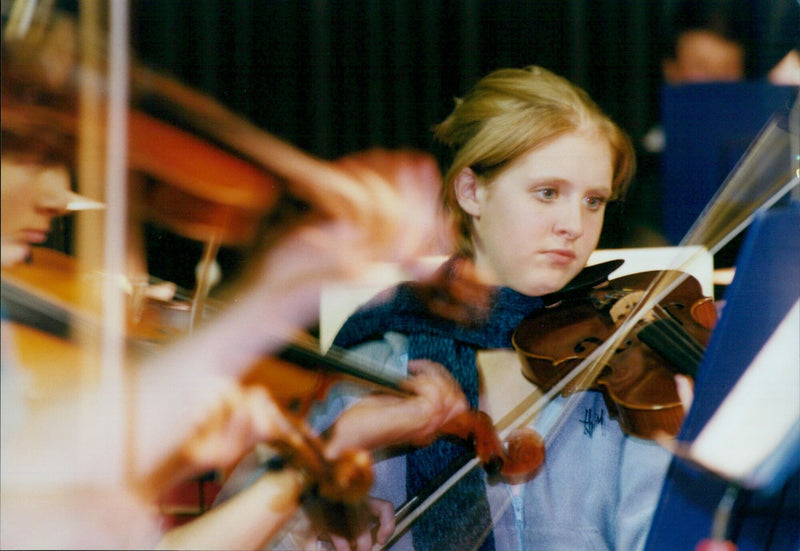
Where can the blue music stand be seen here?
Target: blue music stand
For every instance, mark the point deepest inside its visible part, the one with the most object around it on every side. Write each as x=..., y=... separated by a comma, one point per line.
x=766, y=285
x=708, y=128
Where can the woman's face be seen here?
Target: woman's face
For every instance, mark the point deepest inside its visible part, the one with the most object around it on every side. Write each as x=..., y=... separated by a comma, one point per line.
x=31, y=196
x=537, y=221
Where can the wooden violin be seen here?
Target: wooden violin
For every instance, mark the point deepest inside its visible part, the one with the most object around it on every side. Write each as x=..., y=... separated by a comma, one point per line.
x=54, y=292
x=637, y=381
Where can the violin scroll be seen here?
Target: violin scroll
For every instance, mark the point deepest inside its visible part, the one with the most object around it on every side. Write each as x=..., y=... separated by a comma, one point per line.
x=526, y=452
x=521, y=454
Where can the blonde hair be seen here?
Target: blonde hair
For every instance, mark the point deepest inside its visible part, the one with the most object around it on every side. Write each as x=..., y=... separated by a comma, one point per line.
x=511, y=112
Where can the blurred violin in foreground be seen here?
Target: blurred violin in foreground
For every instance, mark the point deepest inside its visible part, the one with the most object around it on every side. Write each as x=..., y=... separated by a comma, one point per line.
x=301, y=375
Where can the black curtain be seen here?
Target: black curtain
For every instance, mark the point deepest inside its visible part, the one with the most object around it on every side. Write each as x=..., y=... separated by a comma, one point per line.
x=337, y=76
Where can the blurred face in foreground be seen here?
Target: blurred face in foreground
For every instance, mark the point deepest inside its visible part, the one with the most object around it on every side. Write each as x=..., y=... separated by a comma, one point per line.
x=32, y=195
x=537, y=221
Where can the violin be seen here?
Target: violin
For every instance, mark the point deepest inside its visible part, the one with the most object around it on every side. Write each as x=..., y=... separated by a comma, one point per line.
x=55, y=363
x=54, y=292
x=516, y=456
x=637, y=380
x=195, y=188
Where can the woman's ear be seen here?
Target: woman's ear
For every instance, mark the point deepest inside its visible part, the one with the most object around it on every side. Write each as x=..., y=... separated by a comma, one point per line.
x=466, y=188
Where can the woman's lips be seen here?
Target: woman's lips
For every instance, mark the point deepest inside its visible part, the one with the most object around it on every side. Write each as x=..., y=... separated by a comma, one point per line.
x=560, y=256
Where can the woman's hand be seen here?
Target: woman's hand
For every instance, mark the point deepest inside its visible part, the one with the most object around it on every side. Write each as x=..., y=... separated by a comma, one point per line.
x=370, y=522
x=382, y=420
x=437, y=400
x=243, y=417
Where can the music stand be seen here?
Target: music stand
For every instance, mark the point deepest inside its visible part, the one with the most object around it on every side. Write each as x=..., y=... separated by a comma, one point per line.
x=708, y=128
x=765, y=287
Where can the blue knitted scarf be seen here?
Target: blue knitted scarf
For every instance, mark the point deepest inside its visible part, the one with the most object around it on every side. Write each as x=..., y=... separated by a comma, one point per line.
x=462, y=516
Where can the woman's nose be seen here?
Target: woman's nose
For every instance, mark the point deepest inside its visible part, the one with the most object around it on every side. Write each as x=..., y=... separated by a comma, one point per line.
x=570, y=222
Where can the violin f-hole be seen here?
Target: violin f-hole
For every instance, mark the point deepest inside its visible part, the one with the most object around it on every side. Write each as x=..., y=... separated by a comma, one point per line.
x=627, y=344
x=580, y=348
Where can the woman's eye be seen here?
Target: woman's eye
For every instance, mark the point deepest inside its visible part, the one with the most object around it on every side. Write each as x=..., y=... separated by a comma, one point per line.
x=595, y=202
x=547, y=194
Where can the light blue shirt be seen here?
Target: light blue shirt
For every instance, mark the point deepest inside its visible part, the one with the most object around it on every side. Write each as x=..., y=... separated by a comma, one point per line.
x=597, y=490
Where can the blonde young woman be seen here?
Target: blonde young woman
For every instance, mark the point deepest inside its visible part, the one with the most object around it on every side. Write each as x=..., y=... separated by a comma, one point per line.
x=535, y=163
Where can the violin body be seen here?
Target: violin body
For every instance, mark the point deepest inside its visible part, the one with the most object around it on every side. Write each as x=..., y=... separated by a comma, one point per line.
x=638, y=378
x=60, y=295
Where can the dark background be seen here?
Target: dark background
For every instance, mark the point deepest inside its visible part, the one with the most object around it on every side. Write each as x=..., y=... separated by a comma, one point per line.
x=338, y=76
x=335, y=76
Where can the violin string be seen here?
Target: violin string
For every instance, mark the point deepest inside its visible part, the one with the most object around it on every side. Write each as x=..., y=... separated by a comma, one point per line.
x=674, y=338
x=667, y=328
x=676, y=330
x=586, y=371
x=662, y=287
x=20, y=301
x=600, y=351
x=50, y=311
x=699, y=234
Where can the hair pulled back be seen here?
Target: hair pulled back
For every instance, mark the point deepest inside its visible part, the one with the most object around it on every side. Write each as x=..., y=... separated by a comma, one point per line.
x=511, y=112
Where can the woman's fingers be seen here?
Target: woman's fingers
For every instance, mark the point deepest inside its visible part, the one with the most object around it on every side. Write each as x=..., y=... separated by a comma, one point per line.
x=438, y=398
x=384, y=512
x=685, y=388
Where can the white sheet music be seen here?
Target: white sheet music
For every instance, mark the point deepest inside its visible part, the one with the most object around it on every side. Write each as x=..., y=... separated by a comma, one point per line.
x=761, y=412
